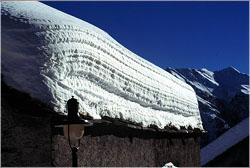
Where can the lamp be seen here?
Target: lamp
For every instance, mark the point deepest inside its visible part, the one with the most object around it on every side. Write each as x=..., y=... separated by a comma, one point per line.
x=73, y=127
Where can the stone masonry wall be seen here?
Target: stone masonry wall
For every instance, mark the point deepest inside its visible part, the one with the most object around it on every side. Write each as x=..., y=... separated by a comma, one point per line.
x=112, y=145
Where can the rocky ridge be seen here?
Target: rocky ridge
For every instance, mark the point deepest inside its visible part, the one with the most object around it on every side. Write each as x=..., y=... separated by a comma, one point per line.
x=223, y=97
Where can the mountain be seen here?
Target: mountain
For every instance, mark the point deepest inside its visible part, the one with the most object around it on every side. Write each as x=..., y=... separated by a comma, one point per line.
x=222, y=95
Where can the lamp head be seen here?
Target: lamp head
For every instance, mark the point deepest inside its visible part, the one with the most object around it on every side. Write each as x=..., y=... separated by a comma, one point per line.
x=73, y=115
x=74, y=124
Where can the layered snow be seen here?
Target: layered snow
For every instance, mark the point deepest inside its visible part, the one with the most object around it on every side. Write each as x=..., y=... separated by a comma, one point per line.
x=225, y=141
x=53, y=56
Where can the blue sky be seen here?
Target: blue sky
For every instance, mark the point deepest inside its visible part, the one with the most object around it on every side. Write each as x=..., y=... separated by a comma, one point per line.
x=212, y=35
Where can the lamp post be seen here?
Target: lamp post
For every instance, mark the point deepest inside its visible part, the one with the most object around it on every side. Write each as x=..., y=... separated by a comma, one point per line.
x=73, y=127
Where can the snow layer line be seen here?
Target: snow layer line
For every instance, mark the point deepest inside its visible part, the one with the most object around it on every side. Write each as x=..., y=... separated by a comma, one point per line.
x=54, y=56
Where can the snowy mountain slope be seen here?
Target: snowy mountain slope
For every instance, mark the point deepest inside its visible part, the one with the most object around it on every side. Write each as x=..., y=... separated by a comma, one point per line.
x=53, y=56
x=231, y=82
x=222, y=96
x=225, y=141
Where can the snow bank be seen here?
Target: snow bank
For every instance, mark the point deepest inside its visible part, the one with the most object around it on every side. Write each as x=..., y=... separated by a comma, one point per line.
x=53, y=56
x=225, y=141
x=169, y=165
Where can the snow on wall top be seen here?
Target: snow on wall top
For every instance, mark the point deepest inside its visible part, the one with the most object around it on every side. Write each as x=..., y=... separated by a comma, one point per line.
x=53, y=56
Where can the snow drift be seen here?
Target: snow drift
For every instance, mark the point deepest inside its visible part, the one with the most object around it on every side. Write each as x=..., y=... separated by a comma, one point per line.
x=53, y=56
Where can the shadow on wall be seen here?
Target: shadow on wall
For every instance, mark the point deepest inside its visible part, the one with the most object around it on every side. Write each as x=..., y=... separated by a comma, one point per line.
x=25, y=130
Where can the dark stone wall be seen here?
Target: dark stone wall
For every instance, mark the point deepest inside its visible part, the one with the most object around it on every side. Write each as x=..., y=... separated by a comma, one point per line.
x=25, y=139
x=236, y=156
x=112, y=145
x=25, y=130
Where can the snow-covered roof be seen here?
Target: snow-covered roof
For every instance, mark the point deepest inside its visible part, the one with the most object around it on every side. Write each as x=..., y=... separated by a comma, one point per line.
x=53, y=56
x=225, y=141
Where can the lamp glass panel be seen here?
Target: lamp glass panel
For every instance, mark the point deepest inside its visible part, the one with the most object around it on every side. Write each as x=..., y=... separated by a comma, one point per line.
x=76, y=131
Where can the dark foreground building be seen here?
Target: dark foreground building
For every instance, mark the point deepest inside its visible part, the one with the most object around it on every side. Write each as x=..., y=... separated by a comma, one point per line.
x=236, y=156
x=231, y=149
x=29, y=139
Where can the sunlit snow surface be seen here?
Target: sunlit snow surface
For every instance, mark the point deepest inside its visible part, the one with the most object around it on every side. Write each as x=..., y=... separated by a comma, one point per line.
x=169, y=165
x=54, y=56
